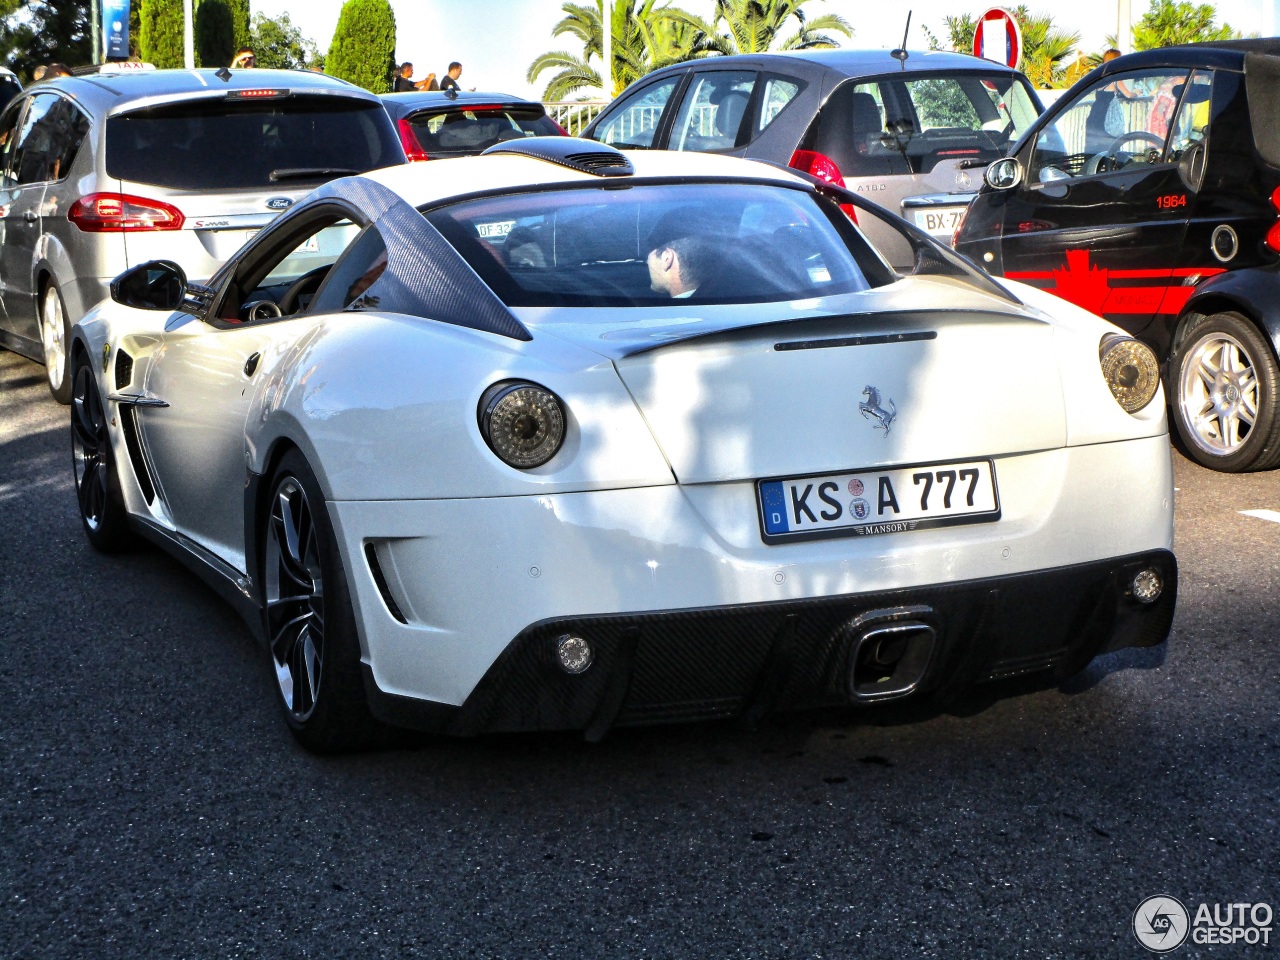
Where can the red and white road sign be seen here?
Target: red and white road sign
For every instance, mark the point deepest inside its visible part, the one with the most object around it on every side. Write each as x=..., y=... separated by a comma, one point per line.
x=998, y=37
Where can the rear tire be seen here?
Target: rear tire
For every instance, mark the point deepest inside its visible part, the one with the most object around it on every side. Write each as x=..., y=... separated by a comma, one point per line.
x=55, y=340
x=311, y=628
x=1226, y=384
x=102, y=510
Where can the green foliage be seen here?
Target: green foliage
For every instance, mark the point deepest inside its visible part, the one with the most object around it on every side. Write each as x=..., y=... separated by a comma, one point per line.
x=241, y=32
x=281, y=45
x=1167, y=23
x=364, y=45
x=644, y=36
x=160, y=40
x=757, y=26
x=35, y=33
x=214, y=34
x=960, y=31
x=1046, y=50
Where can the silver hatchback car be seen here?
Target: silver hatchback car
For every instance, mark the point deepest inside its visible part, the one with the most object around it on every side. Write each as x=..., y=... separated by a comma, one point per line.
x=103, y=171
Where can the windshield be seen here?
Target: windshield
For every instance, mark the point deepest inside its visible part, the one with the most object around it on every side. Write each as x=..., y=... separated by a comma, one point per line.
x=459, y=133
x=904, y=125
x=220, y=144
x=649, y=245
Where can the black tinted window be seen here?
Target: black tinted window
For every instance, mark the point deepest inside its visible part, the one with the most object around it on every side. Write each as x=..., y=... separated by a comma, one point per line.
x=227, y=145
x=51, y=134
x=460, y=133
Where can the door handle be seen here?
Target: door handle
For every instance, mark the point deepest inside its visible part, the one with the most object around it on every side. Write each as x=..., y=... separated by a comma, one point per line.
x=251, y=365
x=30, y=217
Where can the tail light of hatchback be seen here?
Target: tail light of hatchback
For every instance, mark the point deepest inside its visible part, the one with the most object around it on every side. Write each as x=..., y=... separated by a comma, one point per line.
x=1273, y=235
x=121, y=213
x=413, y=151
x=824, y=168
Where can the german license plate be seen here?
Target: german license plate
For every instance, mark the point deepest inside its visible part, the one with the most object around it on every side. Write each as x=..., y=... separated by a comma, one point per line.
x=876, y=501
x=940, y=221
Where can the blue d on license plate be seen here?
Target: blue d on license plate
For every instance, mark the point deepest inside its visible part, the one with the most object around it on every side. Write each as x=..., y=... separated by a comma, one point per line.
x=876, y=501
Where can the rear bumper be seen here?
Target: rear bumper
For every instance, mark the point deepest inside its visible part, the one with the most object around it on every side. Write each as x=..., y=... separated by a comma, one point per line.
x=723, y=662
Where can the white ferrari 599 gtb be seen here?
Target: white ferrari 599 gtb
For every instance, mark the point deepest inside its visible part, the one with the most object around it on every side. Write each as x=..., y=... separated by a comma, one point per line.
x=562, y=438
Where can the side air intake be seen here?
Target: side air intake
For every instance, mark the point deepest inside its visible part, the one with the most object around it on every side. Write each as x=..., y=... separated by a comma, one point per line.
x=585, y=156
x=124, y=369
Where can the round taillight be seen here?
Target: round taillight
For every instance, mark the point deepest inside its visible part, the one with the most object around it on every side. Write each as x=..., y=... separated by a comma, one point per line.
x=522, y=422
x=1130, y=369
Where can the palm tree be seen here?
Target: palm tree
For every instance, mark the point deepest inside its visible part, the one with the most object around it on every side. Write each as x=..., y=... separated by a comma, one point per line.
x=1046, y=50
x=754, y=26
x=644, y=37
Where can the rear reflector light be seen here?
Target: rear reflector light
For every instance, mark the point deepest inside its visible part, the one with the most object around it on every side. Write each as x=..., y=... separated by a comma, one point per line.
x=262, y=94
x=119, y=212
x=824, y=168
x=409, y=140
x=1273, y=235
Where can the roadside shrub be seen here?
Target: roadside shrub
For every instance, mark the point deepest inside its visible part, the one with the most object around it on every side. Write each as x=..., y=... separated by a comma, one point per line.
x=160, y=33
x=364, y=45
x=214, y=34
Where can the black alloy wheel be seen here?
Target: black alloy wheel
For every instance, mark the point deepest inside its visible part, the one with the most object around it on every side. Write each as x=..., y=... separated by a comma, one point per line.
x=311, y=629
x=102, y=510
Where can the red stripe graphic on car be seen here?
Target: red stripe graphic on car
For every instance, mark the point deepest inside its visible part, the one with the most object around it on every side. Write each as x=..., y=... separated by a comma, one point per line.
x=1092, y=288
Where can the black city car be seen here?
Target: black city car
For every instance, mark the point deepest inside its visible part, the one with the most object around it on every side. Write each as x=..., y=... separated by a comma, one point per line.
x=1150, y=194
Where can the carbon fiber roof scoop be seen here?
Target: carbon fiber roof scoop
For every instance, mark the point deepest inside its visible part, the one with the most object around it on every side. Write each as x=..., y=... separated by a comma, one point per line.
x=585, y=156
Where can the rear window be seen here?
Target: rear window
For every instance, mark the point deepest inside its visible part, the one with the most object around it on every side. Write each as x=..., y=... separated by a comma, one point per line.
x=227, y=145
x=746, y=243
x=461, y=133
x=901, y=126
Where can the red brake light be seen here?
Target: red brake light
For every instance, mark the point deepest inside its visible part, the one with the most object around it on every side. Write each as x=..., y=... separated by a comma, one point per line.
x=824, y=168
x=1273, y=235
x=256, y=94
x=409, y=140
x=120, y=212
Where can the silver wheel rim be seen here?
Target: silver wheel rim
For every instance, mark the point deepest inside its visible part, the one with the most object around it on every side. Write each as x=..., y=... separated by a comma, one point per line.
x=295, y=598
x=1218, y=393
x=89, y=442
x=53, y=335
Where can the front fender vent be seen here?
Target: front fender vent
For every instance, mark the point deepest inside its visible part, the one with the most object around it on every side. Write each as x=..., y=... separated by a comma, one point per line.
x=133, y=443
x=124, y=369
x=585, y=156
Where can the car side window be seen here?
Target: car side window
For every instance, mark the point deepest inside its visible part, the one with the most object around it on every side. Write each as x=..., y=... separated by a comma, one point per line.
x=9, y=137
x=712, y=111
x=635, y=123
x=1118, y=122
x=33, y=152
x=282, y=275
x=69, y=126
x=1192, y=122
x=776, y=94
x=348, y=285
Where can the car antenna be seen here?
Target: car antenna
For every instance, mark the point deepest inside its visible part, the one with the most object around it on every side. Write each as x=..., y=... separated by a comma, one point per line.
x=223, y=74
x=901, y=53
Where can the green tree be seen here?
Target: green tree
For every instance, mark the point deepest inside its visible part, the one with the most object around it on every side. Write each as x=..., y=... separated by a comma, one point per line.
x=364, y=45
x=160, y=38
x=214, y=34
x=644, y=37
x=240, y=27
x=1167, y=23
x=756, y=26
x=281, y=45
x=960, y=31
x=43, y=32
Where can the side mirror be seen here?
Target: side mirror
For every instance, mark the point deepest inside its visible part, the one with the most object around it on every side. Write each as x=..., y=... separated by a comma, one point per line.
x=1003, y=174
x=154, y=285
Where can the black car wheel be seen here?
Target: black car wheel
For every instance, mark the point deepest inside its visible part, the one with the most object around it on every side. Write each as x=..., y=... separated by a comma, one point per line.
x=102, y=510
x=1226, y=382
x=315, y=650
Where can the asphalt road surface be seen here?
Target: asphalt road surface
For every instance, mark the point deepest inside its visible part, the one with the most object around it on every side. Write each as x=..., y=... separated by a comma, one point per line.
x=152, y=803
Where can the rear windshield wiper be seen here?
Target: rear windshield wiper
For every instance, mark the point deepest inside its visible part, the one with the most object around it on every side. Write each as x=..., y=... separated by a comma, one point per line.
x=311, y=173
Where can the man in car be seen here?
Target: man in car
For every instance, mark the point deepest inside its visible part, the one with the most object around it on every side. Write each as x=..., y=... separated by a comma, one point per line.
x=679, y=262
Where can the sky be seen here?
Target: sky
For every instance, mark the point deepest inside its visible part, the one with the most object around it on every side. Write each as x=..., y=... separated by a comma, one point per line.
x=496, y=40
